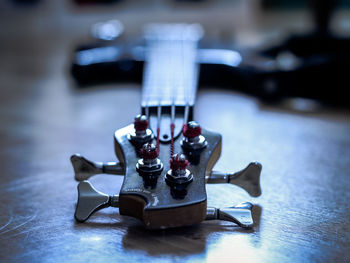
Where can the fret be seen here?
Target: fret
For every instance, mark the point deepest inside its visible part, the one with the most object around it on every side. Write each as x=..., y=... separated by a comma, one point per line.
x=171, y=71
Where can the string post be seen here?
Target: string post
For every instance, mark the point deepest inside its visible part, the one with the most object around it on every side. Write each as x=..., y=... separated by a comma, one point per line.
x=179, y=177
x=192, y=129
x=178, y=164
x=141, y=134
x=149, y=153
x=193, y=138
x=140, y=124
x=149, y=166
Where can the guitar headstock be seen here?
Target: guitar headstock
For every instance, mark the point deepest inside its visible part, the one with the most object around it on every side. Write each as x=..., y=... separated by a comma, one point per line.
x=160, y=188
x=158, y=196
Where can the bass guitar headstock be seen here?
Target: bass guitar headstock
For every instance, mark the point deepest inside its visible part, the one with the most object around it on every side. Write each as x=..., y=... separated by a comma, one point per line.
x=164, y=182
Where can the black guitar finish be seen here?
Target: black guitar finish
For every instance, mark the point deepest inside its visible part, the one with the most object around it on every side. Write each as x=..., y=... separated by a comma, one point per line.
x=161, y=197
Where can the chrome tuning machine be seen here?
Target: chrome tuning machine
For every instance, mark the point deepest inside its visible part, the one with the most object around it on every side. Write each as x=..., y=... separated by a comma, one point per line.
x=240, y=214
x=248, y=178
x=90, y=200
x=193, y=139
x=149, y=166
x=84, y=168
x=141, y=133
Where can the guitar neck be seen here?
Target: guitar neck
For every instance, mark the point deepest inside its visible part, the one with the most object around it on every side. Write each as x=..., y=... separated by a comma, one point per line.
x=171, y=71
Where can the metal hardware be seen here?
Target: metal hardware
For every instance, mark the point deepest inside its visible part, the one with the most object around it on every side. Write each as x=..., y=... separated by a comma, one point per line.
x=193, y=140
x=149, y=164
x=176, y=179
x=178, y=175
x=90, y=200
x=240, y=214
x=248, y=178
x=84, y=168
x=141, y=134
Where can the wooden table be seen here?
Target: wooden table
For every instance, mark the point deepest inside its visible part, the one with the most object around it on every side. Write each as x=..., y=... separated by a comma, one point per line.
x=302, y=215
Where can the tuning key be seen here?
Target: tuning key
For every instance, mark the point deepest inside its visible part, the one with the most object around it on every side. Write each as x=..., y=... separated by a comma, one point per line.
x=90, y=200
x=84, y=168
x=248, y=178
x=240, y=214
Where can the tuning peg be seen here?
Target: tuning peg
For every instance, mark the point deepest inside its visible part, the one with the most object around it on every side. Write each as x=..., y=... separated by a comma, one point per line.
x=248, y=178
x=240, y=214
x=90, y=200
x=84, y=168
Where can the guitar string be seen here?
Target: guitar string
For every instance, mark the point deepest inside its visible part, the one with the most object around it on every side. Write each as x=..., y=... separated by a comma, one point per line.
x=172, y=128
x=170, y=83
x=156, y=83
x=149, y=82
x=159, y=107
x=187, y=94
x=147, y=114
x=159, y=116
x=173, y=104
x=145, y=97
x=172, y=122
x=179, y=48
x=187, y=98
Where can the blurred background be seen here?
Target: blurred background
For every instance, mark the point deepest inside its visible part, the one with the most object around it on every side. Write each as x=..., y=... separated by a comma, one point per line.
x=296, y=37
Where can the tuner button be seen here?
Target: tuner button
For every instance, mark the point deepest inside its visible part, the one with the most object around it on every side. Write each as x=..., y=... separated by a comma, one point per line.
x=193, y=140
x=141, y=134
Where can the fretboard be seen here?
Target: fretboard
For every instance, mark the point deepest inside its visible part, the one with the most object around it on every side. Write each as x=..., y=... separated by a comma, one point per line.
x=171, y=71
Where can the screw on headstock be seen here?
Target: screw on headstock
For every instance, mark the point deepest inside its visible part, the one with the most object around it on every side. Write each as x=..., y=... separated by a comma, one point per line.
x=193, y=139
x=141, y=133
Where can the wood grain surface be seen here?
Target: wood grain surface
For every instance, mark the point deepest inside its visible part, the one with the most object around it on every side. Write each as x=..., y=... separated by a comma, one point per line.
x=302, y=215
